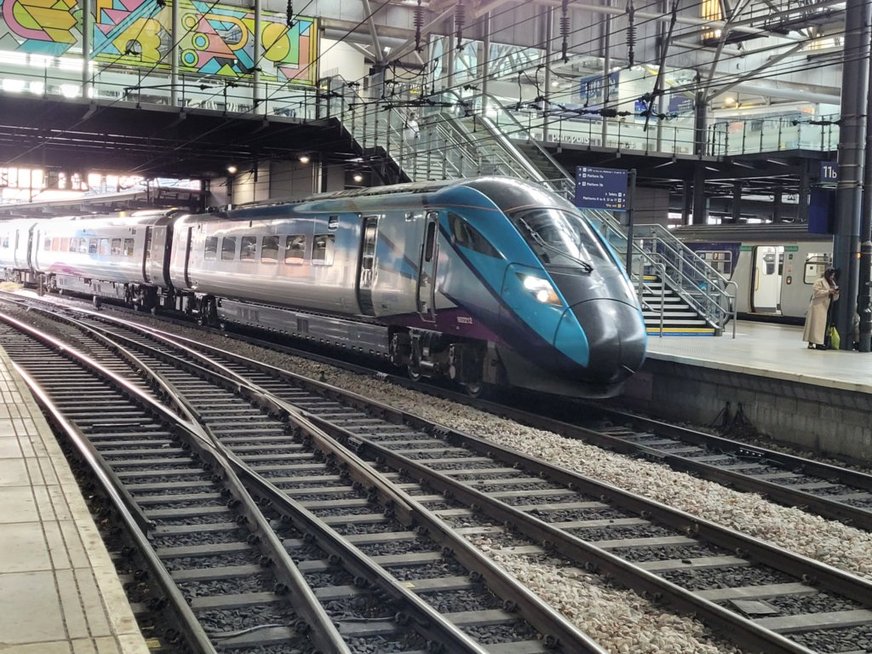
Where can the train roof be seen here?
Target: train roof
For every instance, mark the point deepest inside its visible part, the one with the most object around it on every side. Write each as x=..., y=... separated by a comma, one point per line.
x=780, y=232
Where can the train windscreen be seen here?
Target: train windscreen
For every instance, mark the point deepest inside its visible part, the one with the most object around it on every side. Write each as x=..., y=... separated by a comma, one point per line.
x=561, y=239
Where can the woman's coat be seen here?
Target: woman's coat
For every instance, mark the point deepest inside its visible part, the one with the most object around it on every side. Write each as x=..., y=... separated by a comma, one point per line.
x=816, y=318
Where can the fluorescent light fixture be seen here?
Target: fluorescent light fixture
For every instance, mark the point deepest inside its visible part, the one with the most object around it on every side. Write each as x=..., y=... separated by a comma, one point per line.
x=232, y=169
x=13, y=85
x=357, y=177
x=304, y=158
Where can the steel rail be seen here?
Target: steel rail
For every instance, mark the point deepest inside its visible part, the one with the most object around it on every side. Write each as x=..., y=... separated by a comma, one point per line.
x=795, y=565
x=781, y=493
x=559, y=632
x=324, y=633
x=191, y=628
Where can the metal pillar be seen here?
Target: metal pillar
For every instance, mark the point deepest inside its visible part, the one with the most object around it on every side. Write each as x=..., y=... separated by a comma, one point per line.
x=450, y=57
x=87, y=26
x=686, y=202
x=256, y=55
x=863, y=280
x=804, y=189
x=485, y=59
x=548, y=14
x=778, y=205
x=846, y=243
x=606, y=37
x=175, y=29
x=700, y=208
x=737, y=203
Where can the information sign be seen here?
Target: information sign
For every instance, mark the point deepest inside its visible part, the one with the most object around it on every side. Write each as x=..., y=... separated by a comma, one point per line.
x=829, y=171
x=601, y=188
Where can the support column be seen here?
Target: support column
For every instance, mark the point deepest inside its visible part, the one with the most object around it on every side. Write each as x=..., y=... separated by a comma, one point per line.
x=87, y=26
x=548, y=16
x=737, y=203
x=804, y=190
x=778, y=205
x=606, y=38
x=485, y=59
x=255, y=76
x=700, y=207
x=686, y=202
x=175, y=28
x=846, y=243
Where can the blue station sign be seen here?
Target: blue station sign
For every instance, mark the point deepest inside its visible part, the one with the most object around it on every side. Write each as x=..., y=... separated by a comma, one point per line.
x=601, y=188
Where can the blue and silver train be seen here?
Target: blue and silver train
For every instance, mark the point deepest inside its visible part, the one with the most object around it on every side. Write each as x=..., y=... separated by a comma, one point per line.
x=485, y=281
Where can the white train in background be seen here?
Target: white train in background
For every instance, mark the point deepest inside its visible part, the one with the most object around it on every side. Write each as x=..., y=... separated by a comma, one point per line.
x=774, y=266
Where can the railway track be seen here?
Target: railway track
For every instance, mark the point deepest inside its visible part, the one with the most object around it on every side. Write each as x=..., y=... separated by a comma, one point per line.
x=274, y=545
x=763, y=597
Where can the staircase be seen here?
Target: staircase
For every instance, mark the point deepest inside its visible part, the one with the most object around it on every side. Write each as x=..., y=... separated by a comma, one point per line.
x=679, y=318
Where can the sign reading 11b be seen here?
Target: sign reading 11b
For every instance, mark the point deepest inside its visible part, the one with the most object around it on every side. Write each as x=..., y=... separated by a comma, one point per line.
x=600, y=188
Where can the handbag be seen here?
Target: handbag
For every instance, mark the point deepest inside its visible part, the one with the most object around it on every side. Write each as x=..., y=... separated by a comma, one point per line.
x=834, y=338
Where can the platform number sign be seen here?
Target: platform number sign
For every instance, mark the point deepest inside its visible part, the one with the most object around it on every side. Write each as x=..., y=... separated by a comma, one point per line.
x=829, y=172
x=601, y=188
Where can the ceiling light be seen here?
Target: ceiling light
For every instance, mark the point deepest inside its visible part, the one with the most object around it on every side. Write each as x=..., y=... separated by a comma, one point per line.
x=729, y=100
x=357, y=177
x=232, y=169
x=304, y=158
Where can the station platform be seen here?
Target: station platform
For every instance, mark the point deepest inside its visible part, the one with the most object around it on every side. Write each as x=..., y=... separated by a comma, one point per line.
x=59, y=591
x=769, y=350
x=820, y=400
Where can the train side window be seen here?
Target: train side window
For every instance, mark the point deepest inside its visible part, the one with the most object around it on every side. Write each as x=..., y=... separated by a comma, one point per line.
x=55, y=244
x=228, y=248
x=322, y=249
x=468, y=236
x=815, y=264
x=211, y=250
x=295, y=248
x=269, y=249
x=248, y=248
x=83, y=246
x=74, y=244
x=104, y=247
x=430, y=241
x=116, y=247
x=92, y=246
x=128, y=247
x=5, y=242
x=65, y=245
x=46, y=244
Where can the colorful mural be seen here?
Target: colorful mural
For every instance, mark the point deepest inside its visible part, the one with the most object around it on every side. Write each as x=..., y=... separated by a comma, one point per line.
x=214, y=39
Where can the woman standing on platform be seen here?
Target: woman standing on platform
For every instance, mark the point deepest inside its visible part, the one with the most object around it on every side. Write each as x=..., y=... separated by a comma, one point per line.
x=824, y=291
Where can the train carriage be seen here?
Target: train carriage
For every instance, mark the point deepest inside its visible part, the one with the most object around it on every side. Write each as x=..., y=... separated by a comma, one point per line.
x=774, y=266
x=487, y=281
x=15, y=249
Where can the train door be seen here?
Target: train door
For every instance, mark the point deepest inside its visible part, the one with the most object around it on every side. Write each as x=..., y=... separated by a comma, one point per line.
x=189, y=243
x=766, y=276
x=367, y=265
x=426, y=288
x=146, y=259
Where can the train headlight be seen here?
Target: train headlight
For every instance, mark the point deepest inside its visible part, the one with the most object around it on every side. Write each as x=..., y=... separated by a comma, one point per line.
x=541, y=289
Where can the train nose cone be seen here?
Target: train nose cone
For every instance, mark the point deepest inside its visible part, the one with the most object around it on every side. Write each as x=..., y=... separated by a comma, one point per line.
x=616, y=338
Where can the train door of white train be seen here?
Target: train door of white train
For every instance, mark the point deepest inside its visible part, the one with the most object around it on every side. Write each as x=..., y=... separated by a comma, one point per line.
x=367, y=265
x=426, y=293
x=766, y=290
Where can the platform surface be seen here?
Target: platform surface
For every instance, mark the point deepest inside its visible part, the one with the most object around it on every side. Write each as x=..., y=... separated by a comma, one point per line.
x=768, y=350
x=59, y=592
